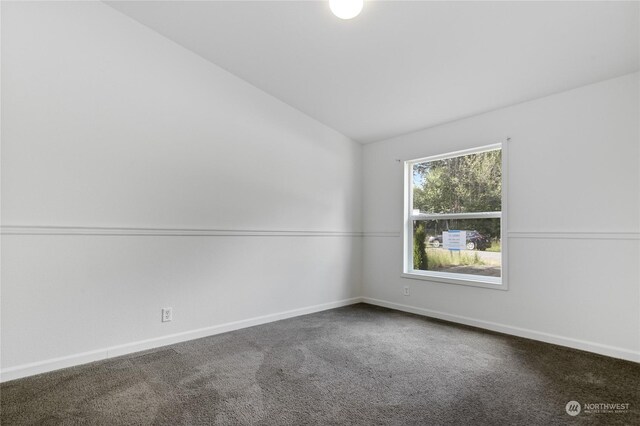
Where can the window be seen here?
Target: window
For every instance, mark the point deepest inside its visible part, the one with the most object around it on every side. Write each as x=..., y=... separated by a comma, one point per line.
x=454, y=221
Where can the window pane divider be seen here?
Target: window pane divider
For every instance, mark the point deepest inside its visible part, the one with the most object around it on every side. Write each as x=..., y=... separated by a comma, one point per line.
x=476, y=215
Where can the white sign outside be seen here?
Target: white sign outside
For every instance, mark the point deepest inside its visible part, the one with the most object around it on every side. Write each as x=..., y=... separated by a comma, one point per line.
x=454, y=240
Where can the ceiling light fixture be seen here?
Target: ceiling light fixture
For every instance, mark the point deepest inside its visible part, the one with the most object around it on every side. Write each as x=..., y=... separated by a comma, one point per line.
x=346, y=9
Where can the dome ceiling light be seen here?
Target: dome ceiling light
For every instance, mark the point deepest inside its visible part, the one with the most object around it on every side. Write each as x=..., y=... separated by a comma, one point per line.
x=346, y=9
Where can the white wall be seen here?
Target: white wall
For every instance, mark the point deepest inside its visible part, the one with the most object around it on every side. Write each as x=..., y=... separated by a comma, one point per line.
x=574, y=220
x=108, y=125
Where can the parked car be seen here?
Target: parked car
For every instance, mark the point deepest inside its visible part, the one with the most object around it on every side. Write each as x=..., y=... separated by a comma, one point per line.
x=475, y=241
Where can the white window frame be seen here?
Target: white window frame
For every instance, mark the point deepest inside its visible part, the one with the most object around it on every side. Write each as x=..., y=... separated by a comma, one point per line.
x=499, y=283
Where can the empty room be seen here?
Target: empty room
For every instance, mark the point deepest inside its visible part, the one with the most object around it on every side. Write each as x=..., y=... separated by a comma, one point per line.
x=332, y=212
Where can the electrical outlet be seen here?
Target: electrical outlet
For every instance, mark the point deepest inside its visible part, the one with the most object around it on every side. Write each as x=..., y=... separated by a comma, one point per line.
x=167, y=314
x=406, y=290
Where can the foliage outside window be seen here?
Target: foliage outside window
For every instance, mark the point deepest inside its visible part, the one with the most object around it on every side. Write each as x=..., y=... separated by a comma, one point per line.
x=454, y=217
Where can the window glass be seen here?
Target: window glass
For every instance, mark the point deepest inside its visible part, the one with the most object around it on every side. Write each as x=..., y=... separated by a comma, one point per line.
x=465, y=184
x=459, y=246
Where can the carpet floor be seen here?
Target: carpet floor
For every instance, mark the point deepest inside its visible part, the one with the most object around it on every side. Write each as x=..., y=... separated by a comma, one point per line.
x=358, y=365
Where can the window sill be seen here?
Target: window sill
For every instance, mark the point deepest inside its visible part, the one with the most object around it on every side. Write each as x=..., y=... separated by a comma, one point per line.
x=496, y=283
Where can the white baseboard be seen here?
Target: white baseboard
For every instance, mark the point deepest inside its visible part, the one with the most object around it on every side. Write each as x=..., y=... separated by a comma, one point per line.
x=598, y=348
x=39, y=367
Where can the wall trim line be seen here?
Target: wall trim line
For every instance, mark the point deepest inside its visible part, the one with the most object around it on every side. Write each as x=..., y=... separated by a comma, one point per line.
x=39, y=367
x=598, y=348
x=552, y=235
x=221, y=232
x=580, y=235
x=382, y=234
x=169, y=232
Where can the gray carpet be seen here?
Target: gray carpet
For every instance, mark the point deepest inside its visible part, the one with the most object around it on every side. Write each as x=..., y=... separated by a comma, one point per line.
x=359, y=365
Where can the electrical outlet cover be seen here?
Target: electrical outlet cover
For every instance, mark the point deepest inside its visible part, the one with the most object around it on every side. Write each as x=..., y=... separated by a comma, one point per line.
x=167, y=314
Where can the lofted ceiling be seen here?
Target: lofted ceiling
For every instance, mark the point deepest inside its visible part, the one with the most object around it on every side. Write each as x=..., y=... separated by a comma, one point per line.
x=403, y=66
